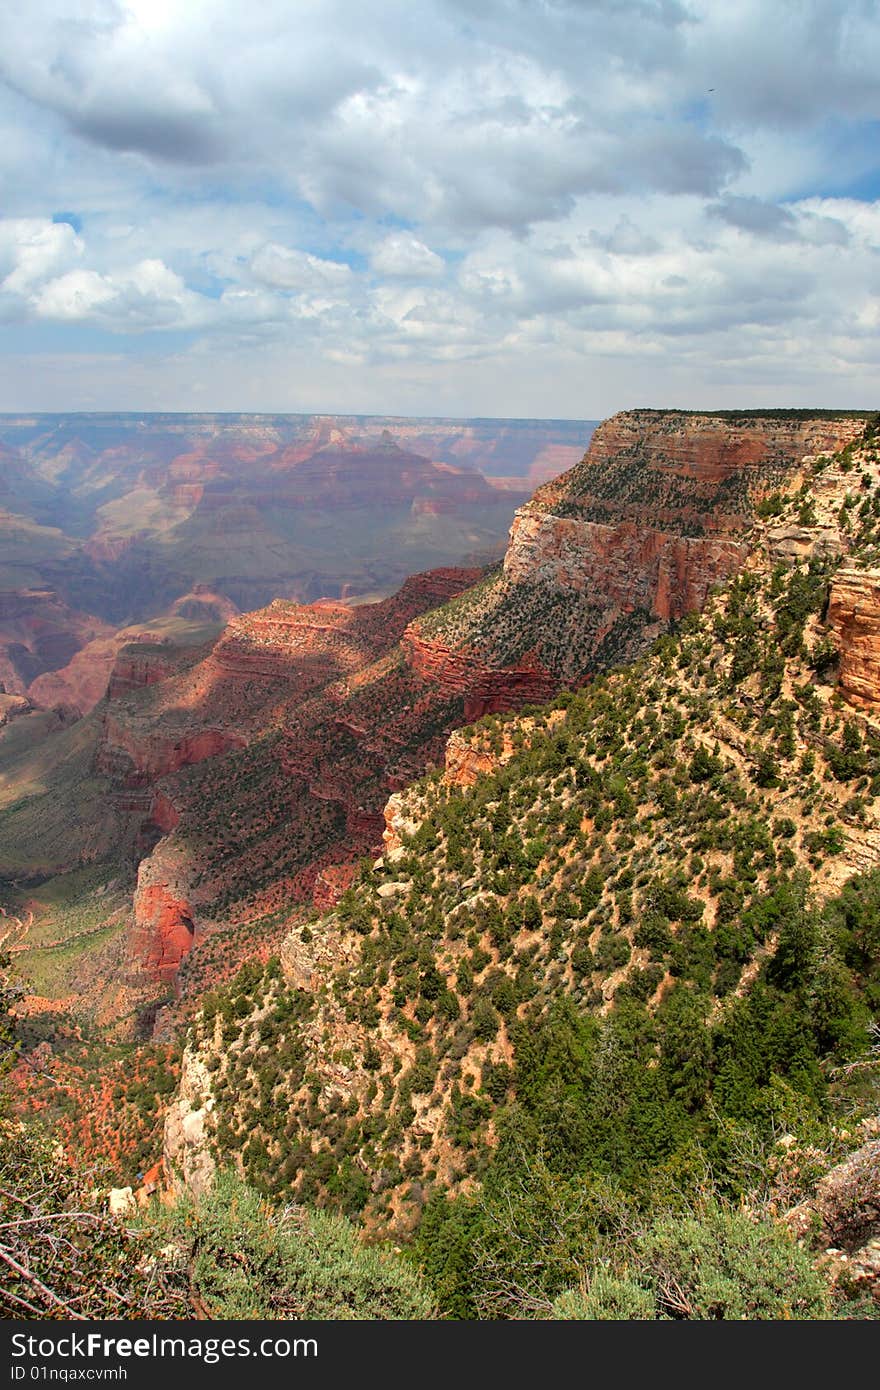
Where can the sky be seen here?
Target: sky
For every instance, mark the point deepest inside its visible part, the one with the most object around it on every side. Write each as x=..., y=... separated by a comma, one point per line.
x=547, y=208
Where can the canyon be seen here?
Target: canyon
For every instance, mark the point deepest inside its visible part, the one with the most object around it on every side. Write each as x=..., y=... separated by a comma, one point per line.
x=121, y=515
x=428, y=877
x=249, y=772
x=117, y=528
x=579, y=886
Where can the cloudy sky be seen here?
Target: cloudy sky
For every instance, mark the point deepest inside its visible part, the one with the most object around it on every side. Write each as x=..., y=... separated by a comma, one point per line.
x=450, y=207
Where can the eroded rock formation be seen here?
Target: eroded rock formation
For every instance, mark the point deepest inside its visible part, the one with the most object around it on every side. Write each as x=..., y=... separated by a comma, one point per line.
x=40, y=633
x=163, y=929
x=187, y=1158
x=135, y=756
x=138, y=665
x=466, y=761
x=486, y=689
x=629, y=565
x=652, y=517
x=854, y=615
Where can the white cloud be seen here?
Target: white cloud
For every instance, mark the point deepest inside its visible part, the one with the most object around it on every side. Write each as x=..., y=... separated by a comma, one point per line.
x=32, y=248
x=286, y=268
x=402, y=256
x=278, y=183
x=143, y=296
x=77, y=295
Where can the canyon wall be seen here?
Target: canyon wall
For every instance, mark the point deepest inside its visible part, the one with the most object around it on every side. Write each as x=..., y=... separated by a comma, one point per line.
x=486, y=689
x=854, y=616
x=138, y=665
x=135, y=756
x=637, y=458
x=653, y=516
x=631, y=566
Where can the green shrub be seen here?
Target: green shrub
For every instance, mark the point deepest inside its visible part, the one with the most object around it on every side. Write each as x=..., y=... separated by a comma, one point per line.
x=719, y=1263
x=485, y=1019
x=612, y=951
x=713, y=1263
x=606, y=1298
x=247, y=1260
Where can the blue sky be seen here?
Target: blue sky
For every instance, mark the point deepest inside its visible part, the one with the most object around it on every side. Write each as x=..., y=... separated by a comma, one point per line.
x=465, y=207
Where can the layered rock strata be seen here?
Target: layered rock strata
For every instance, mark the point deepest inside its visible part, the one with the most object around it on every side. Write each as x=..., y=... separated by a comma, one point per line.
x=854, y=616
x=652, y=516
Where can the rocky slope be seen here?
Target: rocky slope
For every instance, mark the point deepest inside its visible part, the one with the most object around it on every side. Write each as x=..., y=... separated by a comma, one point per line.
x=604, y=929
x=253, y=772
x=634, y=536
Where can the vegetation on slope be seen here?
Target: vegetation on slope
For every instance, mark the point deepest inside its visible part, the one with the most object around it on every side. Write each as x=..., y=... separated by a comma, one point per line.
x=615, y=974
x=227, y=1255
x=605, y=1015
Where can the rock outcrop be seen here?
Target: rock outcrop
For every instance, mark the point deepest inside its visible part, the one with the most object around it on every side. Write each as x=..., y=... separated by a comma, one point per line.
x=397, y=824
x=134, y=756
x=652, y=517
x=186, y=1153
x=629, y=565
x=163, y=930
x=854, y=616
x=842, y=1217
x=139, y=664
x=466, y=762
x=12, y=707
x=486, y=689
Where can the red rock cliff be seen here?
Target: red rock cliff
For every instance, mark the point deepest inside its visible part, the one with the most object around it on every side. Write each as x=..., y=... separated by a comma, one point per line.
x=651, y=518
x=139, y=665
x=486, y=689
x=854, y=616
x=163, y=929
x=133, y=755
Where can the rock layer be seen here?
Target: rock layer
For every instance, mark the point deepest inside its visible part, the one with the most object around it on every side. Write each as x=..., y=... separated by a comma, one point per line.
x=638, y=461
x=630, y=566
x=651, y=518
x=135, y=757
x=854, y=615
x=486, y=688
x=164, y=929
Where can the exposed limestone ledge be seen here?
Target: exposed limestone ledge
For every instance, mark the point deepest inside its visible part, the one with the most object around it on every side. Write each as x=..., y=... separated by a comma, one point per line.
x=397, y=824
x=804, y=542
x=189, y=1162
